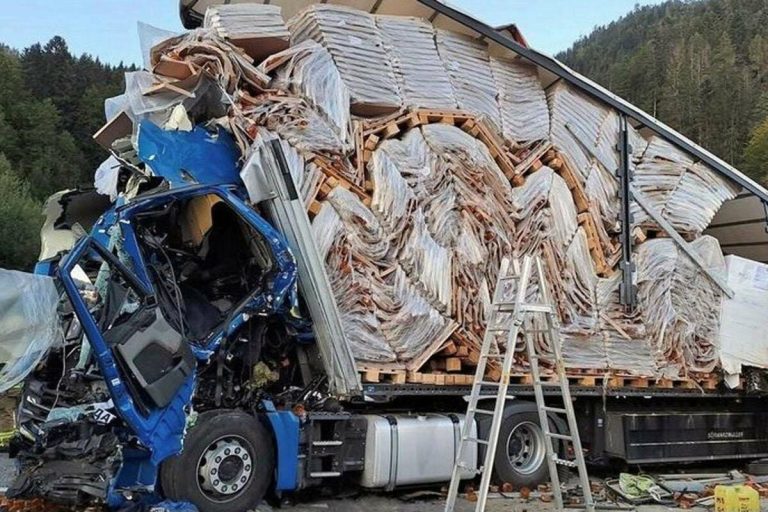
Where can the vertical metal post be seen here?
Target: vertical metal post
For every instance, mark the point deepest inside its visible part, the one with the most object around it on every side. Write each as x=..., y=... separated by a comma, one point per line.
x=627, y=289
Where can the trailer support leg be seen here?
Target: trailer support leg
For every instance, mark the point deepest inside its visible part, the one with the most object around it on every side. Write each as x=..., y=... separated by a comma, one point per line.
x=627, y=289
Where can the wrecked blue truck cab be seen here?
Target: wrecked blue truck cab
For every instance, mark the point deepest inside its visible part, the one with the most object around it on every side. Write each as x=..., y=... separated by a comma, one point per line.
x=182, y=320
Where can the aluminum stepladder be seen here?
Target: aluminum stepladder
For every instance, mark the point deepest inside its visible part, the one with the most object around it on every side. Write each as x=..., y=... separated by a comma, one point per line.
x=513, y=325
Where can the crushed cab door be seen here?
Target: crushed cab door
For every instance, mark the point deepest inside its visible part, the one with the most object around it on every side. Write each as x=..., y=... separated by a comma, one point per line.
x=148, y=366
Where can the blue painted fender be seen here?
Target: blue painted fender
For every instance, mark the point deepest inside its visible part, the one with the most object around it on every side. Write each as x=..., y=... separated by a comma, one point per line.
x=285, y=427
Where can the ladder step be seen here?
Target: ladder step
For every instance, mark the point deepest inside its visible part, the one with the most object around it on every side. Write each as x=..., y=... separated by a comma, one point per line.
x=536, y=308
x=481, y=411
x=563, y=462
x=463, y=466
x=510, y=318
x=525, y=307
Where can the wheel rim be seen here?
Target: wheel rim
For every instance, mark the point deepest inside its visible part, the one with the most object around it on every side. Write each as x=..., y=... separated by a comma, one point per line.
x=525, y=448
x=225, y=469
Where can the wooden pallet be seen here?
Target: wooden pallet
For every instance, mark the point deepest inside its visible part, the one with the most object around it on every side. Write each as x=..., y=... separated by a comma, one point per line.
x=374, y=373
x=587, y=222
x=532, y=159
x=559, y=165
x=585, y=378
x=336, y=178
x=440, y=379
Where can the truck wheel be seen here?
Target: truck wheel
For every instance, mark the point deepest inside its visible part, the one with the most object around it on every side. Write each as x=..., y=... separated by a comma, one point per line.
x=226, y=465
x=521, y=453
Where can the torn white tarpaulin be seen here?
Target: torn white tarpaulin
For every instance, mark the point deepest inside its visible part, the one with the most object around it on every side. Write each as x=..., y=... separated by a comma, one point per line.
x=743, y=318
x=29, y=324
x=106, y=177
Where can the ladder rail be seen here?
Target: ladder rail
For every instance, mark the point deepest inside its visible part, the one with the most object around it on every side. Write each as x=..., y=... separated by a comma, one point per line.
x=516, y=315
x=474, y=399
x=565, y=391
x=498, y=413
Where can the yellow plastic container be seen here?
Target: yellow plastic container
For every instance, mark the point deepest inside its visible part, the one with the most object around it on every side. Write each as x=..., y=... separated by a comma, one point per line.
x=736, y=498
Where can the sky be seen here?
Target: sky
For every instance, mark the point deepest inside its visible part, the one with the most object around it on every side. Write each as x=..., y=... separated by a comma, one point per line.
x=107, y=28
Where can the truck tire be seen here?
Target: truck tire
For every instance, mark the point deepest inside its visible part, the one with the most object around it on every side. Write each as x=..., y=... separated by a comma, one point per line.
x=226, y=465
x=521, y=452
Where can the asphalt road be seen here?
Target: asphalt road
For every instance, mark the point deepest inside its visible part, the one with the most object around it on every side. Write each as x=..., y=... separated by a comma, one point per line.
x=406, y=501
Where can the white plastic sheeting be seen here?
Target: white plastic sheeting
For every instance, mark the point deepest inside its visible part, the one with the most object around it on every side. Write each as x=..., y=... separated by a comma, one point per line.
x=258, y=29
x=687, y=193
x=29, y=324
x=522, y=102
x=469, y=69
x=743, y=318
x=586, y=131
x=679, y=305
x=355, y=43
x=421, y=76
x=307, y=71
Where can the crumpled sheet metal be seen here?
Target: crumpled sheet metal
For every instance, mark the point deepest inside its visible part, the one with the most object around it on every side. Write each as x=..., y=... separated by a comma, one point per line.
x=187, y=158
x=688, y=194
x=29, y=325
x=522, y=102
x=469, y=70
x=355, y=43
x=420, y=74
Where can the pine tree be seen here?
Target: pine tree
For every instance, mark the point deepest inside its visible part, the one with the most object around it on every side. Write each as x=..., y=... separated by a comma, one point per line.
x=22, y=218
x=756, y=155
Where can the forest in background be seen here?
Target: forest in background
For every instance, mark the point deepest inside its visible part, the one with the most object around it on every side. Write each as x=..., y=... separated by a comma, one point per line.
x=51, y=103
x=699, y=66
